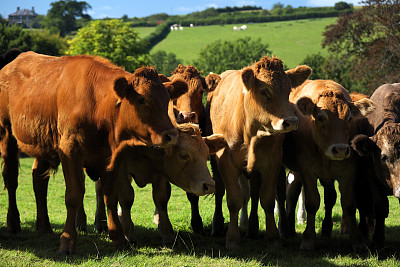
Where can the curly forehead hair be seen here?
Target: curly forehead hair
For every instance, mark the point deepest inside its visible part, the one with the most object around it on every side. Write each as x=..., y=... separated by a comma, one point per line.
x=332, y=93
x=147, y=72
x=186, y=71
x=273, y=64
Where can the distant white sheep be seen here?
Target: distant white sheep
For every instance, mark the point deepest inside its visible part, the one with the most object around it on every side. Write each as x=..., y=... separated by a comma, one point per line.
x=191, y=25
x=241, y=28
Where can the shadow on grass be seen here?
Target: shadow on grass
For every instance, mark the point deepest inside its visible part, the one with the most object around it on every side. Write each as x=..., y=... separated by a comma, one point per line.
x=95, y=246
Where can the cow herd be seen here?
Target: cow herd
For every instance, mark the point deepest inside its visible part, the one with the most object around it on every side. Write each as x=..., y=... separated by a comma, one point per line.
x=260, y=123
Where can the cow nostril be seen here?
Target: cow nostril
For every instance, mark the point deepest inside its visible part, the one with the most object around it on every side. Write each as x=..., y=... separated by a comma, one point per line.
x=334, y=151
x=205, y=188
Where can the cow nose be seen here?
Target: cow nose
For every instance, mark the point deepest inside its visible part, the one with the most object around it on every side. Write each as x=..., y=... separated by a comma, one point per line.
x=186, y=117
x=169, y=137
x=208, y=188
x=341, y=151
x=290, y=123
x=397, y=193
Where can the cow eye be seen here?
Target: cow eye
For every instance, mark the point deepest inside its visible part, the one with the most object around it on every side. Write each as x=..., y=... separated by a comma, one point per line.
x=184, y=156
x=141, y=100
x=384, y=157
x=321, y=118
x=266, y=93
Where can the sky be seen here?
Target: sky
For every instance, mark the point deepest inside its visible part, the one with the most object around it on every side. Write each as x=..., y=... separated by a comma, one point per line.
x=133, y=8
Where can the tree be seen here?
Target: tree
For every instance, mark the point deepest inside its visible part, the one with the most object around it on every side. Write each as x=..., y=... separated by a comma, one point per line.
x=164, y=62
x=14, y=37
x=112, y=39
x=61, y=17
x=342, y=6
x=224, y=55
x=369, y=42
x=316, y=62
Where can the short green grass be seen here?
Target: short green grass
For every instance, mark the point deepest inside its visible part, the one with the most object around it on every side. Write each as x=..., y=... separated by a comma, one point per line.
x=144, y=31
x=30, y=248
x=291, y=41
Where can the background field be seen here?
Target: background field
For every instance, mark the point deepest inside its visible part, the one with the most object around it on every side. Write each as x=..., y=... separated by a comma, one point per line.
x=292, y=41
x=30, y=248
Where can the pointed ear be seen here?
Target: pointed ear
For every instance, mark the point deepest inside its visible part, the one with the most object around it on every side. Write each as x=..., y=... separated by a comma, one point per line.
x=365, y=106
x=215, y=143
x=299, y=75
x=248, y=78
x=363, y=145
x=121, y=88
x=306, y=106
x=163, y=78
x=176, y=88
x=212, y=81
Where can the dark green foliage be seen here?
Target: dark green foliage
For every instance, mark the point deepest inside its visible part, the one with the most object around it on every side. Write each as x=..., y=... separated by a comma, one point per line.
x=220, y=56
x=158, y=35
x=317, y=63
x=62, y=16
x=367, y=41
x=343, y=6
x=14, y=37
x=164, y=62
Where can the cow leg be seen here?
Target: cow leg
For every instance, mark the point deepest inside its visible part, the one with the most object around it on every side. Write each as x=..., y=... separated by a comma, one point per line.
x=245, y=186
x=329, y=201
x=255, y=184
x=301, y=211
x=9, y=152
x=293, y=190
x=81, y=220
x=74, y=177
x=346, y=188
x=109, y=185
x=234, y=198
x=312, y=204
x=126, y=196
x=218, y=218
x=161, y=195
x=100, y=221
x=283, y=225
x=40, y=176
x=196, y=221
x=378, y=238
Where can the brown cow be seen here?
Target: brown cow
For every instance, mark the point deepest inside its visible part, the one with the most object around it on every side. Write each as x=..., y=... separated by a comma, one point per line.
x=183, y=164
x=382, y=149
x=320, y=149
x=79, y=110
x=250, y=108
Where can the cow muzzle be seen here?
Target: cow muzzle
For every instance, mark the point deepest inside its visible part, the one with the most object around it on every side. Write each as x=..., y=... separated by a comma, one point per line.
x=167, y=138
x=203, y=188
x=396, y=192
x=286, y=124
x=338, y=151
x=184, y=117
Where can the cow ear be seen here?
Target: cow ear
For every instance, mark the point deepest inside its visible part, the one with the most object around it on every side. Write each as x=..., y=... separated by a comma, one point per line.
x=215, y=143
x=392, y=101
x=212, y=81
x=121, y=88
x=248, y=78
x=163, y=78
x=299, y=75
x=176, y=88
x=306, y=106
x=365, y=106
x=363, y=145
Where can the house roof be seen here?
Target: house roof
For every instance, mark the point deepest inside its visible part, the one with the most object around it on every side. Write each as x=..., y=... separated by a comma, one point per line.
x=23, y=12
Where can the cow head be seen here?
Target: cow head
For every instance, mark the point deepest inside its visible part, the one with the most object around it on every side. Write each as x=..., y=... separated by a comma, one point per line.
x=384, y=148
x=186, y=162
x=189, y=106
x=266, y=94
x=143, y=108
x=331, y=114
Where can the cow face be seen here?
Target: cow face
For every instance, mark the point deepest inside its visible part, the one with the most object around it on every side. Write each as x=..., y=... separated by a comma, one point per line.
x=331, y=117
x=143, y=112
x=189, y=106
x=266, y=94
x=186, y=162
x=384, y=147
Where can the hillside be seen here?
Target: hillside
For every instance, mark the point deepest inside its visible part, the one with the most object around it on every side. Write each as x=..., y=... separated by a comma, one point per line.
x=292, y=41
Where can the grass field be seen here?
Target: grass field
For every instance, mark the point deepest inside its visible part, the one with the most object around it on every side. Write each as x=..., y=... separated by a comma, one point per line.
x=292, y=41
x=30, y=248
x=144, y=31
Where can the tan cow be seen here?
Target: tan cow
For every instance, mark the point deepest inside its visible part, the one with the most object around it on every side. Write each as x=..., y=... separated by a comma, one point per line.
x=183, y=164
x=250, y=107
x=320, y=149
x=79, y=110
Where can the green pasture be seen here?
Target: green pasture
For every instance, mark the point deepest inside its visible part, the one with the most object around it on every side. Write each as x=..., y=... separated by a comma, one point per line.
x=292, y=41
x=30, y=248
x=144, y=31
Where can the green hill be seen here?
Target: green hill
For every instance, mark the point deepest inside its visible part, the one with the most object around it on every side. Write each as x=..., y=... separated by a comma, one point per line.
x=291, y=41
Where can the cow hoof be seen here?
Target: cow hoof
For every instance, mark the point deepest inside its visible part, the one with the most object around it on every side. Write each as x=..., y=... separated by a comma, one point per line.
x=232, y=246
x=326, y=230
x=13, y=223
x=307, y=246
x=101, y=227
x=197, y=227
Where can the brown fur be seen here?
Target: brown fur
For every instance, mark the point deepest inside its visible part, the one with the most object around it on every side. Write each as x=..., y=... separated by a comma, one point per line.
x=79, y=109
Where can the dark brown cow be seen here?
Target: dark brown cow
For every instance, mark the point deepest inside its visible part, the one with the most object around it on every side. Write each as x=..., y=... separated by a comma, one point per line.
x=382, y=149
x=320, y=149
x=79, y=110
x=183, y=164
x=250, y=108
